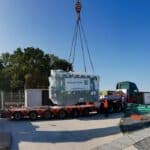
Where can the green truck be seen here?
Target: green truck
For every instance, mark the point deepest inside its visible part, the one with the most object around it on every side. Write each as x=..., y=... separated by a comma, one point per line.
x=133, y=95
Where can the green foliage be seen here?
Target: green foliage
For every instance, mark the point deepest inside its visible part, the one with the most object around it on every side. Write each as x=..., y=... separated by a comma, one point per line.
x=1, y=66
x=28, y=68
x=5, y=59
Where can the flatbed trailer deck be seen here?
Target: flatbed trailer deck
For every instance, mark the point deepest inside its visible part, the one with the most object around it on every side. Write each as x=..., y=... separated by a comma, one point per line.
x=61, y=112
x=49, y=112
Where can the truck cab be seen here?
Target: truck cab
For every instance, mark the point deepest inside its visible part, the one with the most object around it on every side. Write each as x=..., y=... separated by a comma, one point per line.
x=130, y=90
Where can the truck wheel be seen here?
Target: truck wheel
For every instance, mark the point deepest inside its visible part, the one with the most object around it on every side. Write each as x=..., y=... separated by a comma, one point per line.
x=124, y=107
x=98, y=111
x=62, y=114
x=86, y=112
x=75, y=113
x=17, y=116
x=47, y=115
x=33, y=115
x=119, y=108
x=111, y=109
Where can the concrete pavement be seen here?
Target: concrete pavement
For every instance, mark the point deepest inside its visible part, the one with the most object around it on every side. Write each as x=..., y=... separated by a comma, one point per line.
x=71, y=134
x=5, y=140
x=127, y=141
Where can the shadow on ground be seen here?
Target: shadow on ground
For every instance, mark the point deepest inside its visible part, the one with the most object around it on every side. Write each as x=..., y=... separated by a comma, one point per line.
x=101, y=117
x=25, y=131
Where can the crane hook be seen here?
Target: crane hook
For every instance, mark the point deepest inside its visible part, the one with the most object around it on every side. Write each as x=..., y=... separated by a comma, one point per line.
x=78, y=9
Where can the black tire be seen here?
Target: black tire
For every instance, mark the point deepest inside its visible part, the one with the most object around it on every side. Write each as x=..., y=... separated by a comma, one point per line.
x=86, y=112
x=47, y=115
x=124, y=107
x=75, y=113
x=111, y=109
x=119, y=107
x=17, y=116
x=98, y=111
x=33, y=115
x=62, y=114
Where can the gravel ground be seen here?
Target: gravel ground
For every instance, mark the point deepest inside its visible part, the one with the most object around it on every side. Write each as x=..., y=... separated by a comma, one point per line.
x=72, y=134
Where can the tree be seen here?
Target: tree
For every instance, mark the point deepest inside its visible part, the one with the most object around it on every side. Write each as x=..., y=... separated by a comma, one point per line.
x=5, y=59
x=4, y=71
x=1, y=65
x=57, y=63
x=5, y=78
x=37, y=65
x=29, y=68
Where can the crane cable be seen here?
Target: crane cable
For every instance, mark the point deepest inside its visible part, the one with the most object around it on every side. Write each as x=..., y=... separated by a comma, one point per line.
x=74, y=39
x=87, y=47
x=82, y=47
x=82, y=37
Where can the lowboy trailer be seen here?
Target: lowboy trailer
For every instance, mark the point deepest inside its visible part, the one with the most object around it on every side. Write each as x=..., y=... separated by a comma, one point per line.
x=49, y=112
x=61, y=112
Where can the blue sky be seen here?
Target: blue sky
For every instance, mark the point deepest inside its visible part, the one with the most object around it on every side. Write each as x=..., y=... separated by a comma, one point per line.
x=118, y=33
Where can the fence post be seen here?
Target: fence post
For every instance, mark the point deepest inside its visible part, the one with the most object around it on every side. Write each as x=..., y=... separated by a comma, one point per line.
x=2, y=99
